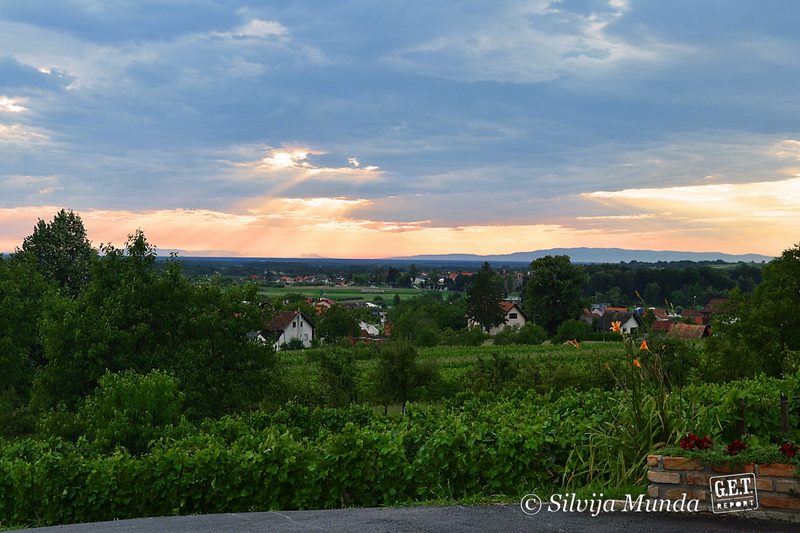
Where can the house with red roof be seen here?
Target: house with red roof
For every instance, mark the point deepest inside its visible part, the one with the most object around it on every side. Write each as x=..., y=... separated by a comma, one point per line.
x=688, y=331
x=512, y=317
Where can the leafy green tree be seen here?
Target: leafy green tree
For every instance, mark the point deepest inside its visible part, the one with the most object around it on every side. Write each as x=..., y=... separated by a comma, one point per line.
x=652, y=293
x=531, y=333
x=572, y=330
x=484, y=295
x=22, y=291
x=135, y=316
x=424, y=318
x=338, y=373
x=336, y=323
x=60, y=251
x=553, y=292
x=415, y=325
x=399, y=375
x=760, y=332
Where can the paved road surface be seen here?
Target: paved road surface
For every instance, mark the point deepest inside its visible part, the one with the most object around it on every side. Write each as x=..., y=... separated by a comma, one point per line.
x=505, y=518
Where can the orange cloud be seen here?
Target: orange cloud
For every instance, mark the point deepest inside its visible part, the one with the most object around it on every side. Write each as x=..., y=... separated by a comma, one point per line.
x=757, y=216
x=287, y=233
x=288, y=167
x=735, y=218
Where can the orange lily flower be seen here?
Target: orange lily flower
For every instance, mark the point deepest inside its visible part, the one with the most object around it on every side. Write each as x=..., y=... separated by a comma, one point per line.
x=644, y=346
x=616, y=326
x=637, y=364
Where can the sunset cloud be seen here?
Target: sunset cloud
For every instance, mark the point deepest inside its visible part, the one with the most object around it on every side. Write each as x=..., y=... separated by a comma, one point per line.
x=289, y=167
x=11, y=105
x=298, y=227
x=326, y=128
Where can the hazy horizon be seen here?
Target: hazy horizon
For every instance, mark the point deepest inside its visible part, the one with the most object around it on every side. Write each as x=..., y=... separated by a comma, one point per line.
x=378, y=130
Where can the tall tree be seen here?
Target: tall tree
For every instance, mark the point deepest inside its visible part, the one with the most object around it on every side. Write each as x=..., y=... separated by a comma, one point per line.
x=553, y=292
x=336, y=323
x=22, y=291
x=760, y=331
x=399, y=375
x=135, y=316
x=484, y=294
x=60, y=251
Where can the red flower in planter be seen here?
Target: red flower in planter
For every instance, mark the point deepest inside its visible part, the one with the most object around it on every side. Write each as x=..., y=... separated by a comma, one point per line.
x=692, y=441
x=735, y=447
x=702, y=444
x=789, y=449
x=687, y=442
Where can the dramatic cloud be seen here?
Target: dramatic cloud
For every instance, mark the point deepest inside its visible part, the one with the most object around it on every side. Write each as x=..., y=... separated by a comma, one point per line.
x=427, y=126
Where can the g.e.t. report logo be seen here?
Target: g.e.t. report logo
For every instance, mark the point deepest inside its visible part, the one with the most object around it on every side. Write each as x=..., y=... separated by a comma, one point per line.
x=733, y=493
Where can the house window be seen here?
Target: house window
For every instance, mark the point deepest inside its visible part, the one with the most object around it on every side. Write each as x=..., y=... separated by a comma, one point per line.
x=512, y=316
x=294, y=324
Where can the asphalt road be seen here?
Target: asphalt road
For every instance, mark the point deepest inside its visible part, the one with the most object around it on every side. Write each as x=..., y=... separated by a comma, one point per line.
x=506, y=518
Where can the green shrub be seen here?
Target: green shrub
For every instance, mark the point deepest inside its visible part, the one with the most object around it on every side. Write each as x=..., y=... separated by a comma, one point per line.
x=338, y=374
x=492, y=374
x=531, y=333
x=572, y=330
x=129, y=409
x=399, y=376
x=462, y=337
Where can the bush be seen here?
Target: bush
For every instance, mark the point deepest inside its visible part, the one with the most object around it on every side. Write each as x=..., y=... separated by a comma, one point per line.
x=678, y=358
x=531, y=333
x=130, y=410
x=399, y=377
x=505, y=336
x=15, y=419
x=492, y=374
x=463, y=337
x=572, y=329
x=338, y=374
x=293, y=344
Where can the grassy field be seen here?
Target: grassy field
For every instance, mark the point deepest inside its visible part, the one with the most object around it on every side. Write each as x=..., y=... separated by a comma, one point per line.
x=367, y=294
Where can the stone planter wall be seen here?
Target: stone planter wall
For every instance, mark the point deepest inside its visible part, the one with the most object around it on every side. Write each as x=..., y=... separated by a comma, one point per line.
x=670, y=477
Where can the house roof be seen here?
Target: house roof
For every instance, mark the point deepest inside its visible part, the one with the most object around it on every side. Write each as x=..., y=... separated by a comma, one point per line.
x=282, y=320
x=687, y=331
x=714, y=305
x=660, y=314
x=604, y=323
x=661, y=326
x=507, y=306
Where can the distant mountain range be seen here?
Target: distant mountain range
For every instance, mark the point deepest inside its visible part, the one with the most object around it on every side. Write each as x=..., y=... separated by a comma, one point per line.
x=595, y=255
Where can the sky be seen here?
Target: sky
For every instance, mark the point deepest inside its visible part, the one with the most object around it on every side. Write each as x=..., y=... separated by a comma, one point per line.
x=371, y=129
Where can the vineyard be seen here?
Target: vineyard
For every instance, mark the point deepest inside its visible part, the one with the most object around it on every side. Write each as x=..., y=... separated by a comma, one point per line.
x=296, y=457
x=540, y=367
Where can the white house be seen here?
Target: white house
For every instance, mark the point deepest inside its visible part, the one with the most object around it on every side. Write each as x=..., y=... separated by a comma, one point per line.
x=512, y=317
x=287, y=326
x=629, y=322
